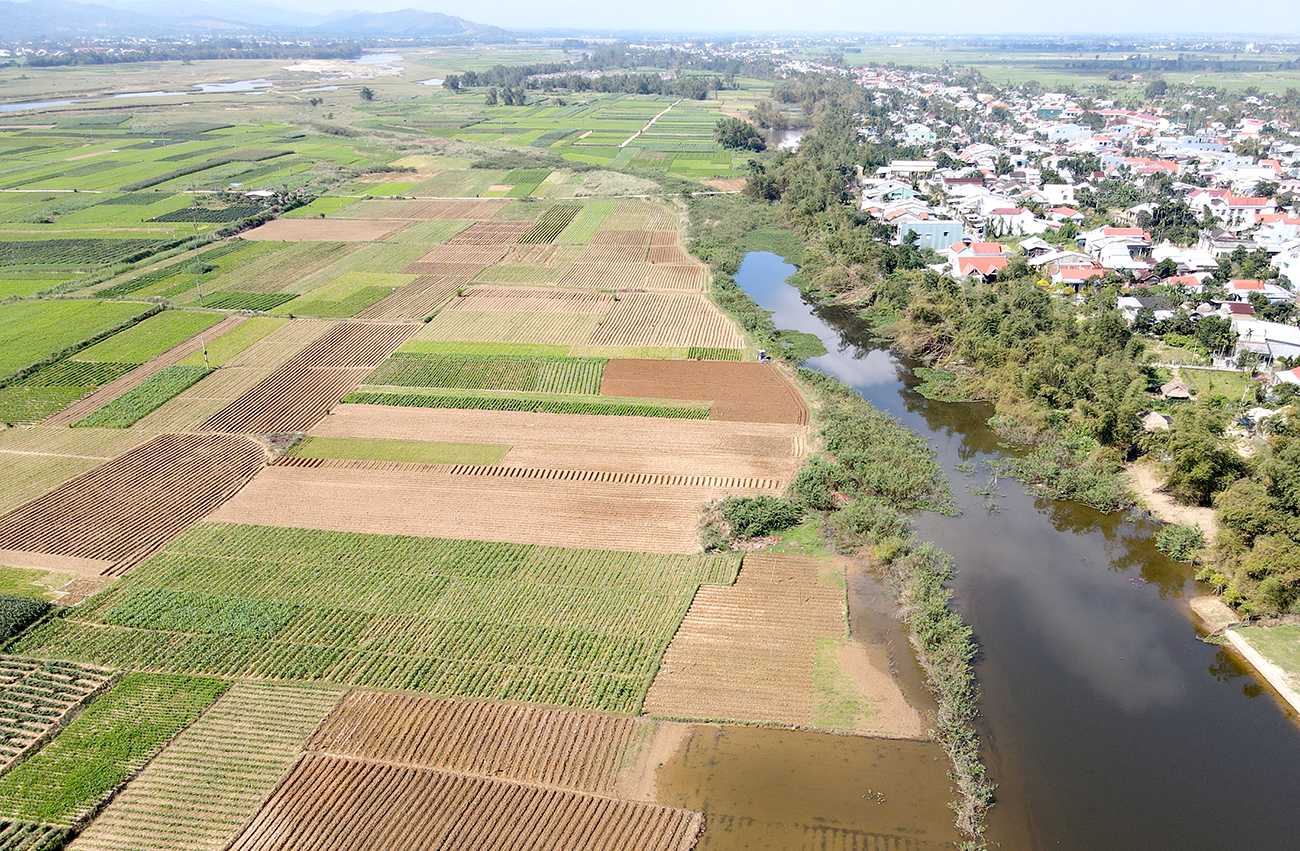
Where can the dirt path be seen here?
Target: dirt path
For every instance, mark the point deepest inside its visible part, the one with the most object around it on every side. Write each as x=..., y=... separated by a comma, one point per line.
x=1146, y=482
x=648, y=125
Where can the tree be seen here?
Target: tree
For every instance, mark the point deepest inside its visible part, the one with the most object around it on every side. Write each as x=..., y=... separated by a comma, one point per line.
x=451, y=83
x=492, y=97
x=1166, y=268
x=366, y=93
x=738, y=134
x=1200, y=464
x=1144, y=320
x=1003, y=164
x=1156, y=89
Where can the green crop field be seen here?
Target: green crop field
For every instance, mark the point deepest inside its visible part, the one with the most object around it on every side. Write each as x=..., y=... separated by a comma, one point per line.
x=417, y=451
x=233, y=342
x=582, y=628
x=34, y=331
x=153, y=336
x=527, y=402
x=135, y=404
x=488, y=372
x=114, y=737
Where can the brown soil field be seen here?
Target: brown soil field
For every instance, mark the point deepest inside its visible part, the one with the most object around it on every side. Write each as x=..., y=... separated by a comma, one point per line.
x=123, y=510
x=324, y=230
x=137, y=376
x=740, y=392
x=746, y=652
x=558, y=329
x=612, y=444
x=417, y=299
x=636, y=238
x=426, y=210
x=335, y=804
x=670, y=254
x=534, y=254
x=533, y=300
x=571, y=510
x=617, y=252
x=726, y=184
x=667, y=319
x=637, y=214
x=580, y=751
x=299, y=393
x=491, y=233
x=614, y=275
x=35, y=459
x=665, y=237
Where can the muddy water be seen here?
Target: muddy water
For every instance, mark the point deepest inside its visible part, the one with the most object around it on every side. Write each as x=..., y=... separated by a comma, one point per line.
x=1108, y=723
x=783, y=789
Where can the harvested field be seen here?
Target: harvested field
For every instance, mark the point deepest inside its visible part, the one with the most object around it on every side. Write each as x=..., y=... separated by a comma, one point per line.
x=481, y=255
x=607, y=274
x=746, y=653
x=115, y=515
x=417, y=299
x=559, y=507
x=206, y=784
x=445, y=209
x=533, y=300
x=460, y=271
x=323, y=230
x=36, y=697
x=140, y=374
x=676, y=278
x=539, y=327
x=637, y=238
x=299, y=393
x=491, y=233
x=336, y=804
x=667, y=319
x=616, y=252
x=740, y=392
x=580, y=751
x=637, y=214
x=611, y=444
x=669, y=254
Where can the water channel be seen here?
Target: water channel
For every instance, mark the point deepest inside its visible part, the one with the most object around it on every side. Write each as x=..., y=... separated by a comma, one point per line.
x=1108, y=723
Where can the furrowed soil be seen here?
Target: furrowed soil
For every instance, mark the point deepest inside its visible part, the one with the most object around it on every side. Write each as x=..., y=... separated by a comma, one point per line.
x=323, y=230
x=739, y=392
x=607, y=443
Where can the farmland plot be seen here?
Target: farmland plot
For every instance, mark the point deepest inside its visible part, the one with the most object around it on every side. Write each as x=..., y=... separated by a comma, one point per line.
x=299, y=393
x=488, y=372
x=395, y=808
x=739, y=392
x=324, y=230
x=666, y=319
x=206, y=784
x=578, y=628
x=36, y=698
x=114, y=515
x=443, y=209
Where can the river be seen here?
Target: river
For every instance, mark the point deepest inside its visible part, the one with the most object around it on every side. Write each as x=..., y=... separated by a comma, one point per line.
x=1107, y=722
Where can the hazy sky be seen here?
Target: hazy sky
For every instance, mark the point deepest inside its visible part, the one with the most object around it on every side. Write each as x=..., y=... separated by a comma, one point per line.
x=1275, y=17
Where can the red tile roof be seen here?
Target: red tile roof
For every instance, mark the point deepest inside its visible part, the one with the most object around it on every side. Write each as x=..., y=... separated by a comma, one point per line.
x=984, y=265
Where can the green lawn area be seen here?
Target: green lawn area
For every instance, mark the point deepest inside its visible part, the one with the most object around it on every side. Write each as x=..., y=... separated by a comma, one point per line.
x=1208, y=382
x=1280, y=645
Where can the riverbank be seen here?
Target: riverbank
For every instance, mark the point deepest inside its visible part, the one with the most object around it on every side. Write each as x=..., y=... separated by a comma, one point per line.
x=1148, y=486
x=1274, y=651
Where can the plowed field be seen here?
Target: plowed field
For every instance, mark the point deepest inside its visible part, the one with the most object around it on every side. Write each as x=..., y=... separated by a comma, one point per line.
x=118, y=513
x=323, y=230
x=449, y=209
x=491, y=233
x=336, y=804
x=565, y=508
x=740, y=392
x=299, y=393
x=667, y=319
x=530, y=299
x=417, y=299
x=746, y=653
x=580, y=751
x=615, y=444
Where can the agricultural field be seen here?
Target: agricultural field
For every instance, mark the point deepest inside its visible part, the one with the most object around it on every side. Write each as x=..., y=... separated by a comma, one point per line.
x=578, y=628
x=37, y=697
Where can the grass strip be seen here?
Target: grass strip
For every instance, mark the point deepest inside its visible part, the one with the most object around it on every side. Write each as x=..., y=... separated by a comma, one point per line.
x=598, y=406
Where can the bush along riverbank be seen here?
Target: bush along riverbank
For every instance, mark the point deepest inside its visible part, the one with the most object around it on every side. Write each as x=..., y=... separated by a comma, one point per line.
x=872, y=469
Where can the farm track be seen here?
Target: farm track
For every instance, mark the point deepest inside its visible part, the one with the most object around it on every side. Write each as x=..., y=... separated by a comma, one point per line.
x=746, y=652
x=336, y=804
x=739, y=392
x=140, y=374
x=555, y=512
x=208, y=782
x=608, y=443
x=579, y=751
x=298, y=394
x=123, y=510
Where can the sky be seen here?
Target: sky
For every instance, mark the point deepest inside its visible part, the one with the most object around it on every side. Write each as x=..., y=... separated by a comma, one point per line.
x=1276, y=17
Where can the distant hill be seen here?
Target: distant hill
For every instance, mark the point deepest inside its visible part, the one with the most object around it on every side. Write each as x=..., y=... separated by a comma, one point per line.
x=60, y=20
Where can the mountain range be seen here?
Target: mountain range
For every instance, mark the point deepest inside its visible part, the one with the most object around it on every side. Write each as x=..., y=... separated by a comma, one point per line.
x=65, y=20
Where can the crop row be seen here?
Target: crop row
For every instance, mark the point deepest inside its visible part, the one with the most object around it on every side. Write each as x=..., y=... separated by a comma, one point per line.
x=194, y=266
x=549, y=225
x=500, y=621
x=247, y=301
x=488, y=372
x=594, y=407
x=194, y=168
x=713, y=353
x=117, y=734
x=133, y=405
x=77, y=253
x=210, y=215
x=24, y=836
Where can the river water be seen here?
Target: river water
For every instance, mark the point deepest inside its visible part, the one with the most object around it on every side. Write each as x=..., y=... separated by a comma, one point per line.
x=1108, y=723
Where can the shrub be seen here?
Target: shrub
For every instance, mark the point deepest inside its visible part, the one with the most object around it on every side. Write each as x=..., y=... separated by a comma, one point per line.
x=817, y=483
x=756, y=516
x=1180, y=542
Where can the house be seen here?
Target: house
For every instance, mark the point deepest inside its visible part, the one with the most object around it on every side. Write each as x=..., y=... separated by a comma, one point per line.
x=1059, y=193
x=1235, y=211
x=1289, y=376
x=1076, y=277
x=1243, y=289
x=1269, y=340
x=1175, y=390
x=1156, y=421
x=938, y=234
x=978, y=259
x=1014, y=221
x=1066, y=214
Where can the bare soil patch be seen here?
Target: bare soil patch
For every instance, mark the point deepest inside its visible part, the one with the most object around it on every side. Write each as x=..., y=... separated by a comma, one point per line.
x=615, y=444
x=726, y=184
x=1146, y=482
x=299, y=393
x=123, y=510
x=564, y=511
x=331, y=804
x=740, y=392
x=324, y=230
